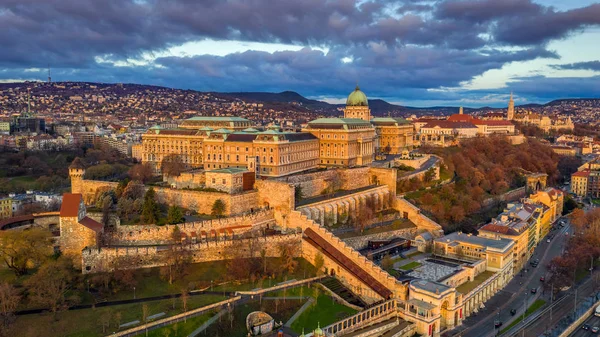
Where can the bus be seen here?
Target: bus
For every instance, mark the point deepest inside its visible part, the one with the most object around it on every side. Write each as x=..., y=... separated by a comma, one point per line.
x=597, y=313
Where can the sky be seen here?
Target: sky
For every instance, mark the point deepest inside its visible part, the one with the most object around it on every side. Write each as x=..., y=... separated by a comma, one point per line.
x=410, y=52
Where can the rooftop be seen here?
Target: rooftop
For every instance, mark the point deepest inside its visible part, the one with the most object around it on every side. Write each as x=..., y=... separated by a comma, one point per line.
x=230, y=170
x=70, y=205
x=500, y=244
x=218, y=119
x=430, y=286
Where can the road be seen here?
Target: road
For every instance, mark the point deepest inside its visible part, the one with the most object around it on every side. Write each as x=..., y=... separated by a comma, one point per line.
x=592, y=321
x=517, y=294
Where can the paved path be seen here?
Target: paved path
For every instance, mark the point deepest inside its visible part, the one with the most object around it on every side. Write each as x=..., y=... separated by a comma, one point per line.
x=299, y=312
x=207, y=323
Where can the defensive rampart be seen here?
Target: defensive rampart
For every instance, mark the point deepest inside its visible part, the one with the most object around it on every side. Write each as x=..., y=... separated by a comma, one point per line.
x=413, y=213
x=216, y=228
x=133, y=257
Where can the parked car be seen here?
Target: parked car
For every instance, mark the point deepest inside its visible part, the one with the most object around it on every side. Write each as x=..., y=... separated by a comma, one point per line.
x=548, y=240
x=513, y=311
x=542, y=279
x=595, y=329
x=585, y=327
x=497, y=324
x=533, y=290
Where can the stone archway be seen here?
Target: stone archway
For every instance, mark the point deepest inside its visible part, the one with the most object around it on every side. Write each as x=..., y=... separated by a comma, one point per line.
x=456, y=318
x=443, y=315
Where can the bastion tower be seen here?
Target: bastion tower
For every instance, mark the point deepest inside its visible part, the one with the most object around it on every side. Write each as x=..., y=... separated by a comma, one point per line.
x=357, y=106
x=76, y=172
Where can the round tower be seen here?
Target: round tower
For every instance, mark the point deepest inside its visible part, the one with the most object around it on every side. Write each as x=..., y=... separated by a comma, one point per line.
x=76, y=172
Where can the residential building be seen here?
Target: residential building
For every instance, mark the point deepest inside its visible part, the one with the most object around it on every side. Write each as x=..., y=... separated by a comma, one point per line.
x=5, y=208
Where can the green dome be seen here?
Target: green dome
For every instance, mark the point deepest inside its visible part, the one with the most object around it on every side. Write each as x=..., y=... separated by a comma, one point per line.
x=357, y=98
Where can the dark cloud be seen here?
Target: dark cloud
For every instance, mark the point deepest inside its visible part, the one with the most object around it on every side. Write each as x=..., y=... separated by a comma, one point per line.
x=590, y=65
x=399, y=47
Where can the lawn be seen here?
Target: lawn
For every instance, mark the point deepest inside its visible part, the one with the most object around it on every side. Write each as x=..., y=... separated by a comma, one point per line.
x=596, y=201
x=395, y=225
x=413, y=254
x=180, y=329
x=411, y=265
x=86, y=322
x=530, y=310
x=200, y=275
x=234, y=324
x=467, y=287
x=324, y=311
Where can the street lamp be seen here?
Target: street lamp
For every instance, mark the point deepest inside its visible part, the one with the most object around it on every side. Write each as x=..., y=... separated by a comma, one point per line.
x=134, y=293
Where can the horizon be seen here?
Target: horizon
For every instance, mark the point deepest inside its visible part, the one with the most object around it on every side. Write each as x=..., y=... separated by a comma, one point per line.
x=417, y=53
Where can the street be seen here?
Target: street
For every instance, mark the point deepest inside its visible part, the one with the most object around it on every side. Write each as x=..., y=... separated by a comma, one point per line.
x=517, y=294
x=592, y=322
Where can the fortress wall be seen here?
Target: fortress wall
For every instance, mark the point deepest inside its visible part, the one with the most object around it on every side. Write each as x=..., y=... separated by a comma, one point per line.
x=413, y=213
x=153, y=234
x=196, y=200
x=133, y=257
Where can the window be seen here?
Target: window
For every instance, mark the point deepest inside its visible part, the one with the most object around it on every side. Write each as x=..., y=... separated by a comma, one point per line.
x=224, y=181
x=214, y=181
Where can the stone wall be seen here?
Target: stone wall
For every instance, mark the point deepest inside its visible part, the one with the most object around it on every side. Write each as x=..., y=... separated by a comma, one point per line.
x=96, y=260
x=511, y=195
x=313, y=184
x=361, y=242
x=196, y=200
x=191, y=179
x=309, y=252
x=413, y=213
x=385, y=176
x=152, y=234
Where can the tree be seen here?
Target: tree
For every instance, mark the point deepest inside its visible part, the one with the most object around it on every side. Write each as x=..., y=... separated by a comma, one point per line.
x=133, y=190
x=141, y=172
x=298, y=193
x=429, y=175
x=51, y=284
x=22, y=250
x=105, y=319
x=286, y=253
x=319, y=262
x=386, y=262
x=218, y=208
x=150, y=211
x=107, y=204
x=9, y=301
x=172, y=165
x=175, y=215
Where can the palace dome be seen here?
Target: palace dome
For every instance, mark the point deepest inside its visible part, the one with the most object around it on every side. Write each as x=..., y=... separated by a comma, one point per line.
x=357, y=98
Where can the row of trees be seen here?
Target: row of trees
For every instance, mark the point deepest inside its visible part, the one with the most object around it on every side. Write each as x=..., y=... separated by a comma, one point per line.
x=582, y=251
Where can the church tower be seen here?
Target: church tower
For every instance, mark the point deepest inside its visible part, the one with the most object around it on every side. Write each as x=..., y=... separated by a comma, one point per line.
x=357, y=106
x=510, y=114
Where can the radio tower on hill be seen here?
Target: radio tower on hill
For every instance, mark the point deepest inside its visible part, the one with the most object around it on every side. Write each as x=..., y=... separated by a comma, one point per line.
x=49, y=78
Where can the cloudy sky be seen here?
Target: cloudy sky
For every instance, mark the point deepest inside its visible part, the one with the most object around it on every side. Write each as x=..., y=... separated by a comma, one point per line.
x=410, y=52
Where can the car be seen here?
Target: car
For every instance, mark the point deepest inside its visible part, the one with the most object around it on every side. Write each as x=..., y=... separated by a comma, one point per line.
x=542, y=279
x=595, y=329
x=513, y=311
x=585, y=327
x=497, y=324
x=548, y=240
x=533, y=290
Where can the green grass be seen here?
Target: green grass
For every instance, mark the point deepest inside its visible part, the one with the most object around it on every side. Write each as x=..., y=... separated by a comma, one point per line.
x=324, y=311
x=180, y=329
x=467, y=287
x=596, y=201
x=396, y=225
x=530, y=310
x=86, y=322
x=411, y=265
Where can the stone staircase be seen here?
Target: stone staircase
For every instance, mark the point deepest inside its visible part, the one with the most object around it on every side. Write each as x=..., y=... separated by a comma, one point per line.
x=369, y=273
x=338, y=288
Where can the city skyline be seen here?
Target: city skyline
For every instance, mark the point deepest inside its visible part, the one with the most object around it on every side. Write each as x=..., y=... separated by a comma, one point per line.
x=411, y=53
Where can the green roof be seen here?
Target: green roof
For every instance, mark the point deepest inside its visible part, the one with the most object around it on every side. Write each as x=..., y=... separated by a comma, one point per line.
x=357, y=98
x=156, y=127
x=223, y=131
x=230, y=170
x=398, y=120
x=205, y=128
x=346, y=121
x=218, y=119
x=250, y=130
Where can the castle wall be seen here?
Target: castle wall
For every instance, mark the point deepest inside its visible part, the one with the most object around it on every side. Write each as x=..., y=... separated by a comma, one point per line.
x=413, y=213
x=313, y=184
x=200, y=201
x=74, y=236
x=152, y=234
x=97, y=260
